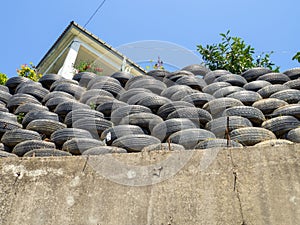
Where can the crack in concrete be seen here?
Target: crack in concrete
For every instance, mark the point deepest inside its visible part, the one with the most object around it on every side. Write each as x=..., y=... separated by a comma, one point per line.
x=235, y=186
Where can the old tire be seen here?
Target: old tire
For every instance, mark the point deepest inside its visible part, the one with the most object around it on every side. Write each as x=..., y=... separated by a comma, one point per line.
x=26, y=146
x=189, y=138
x=249, y=136
x=135, y=142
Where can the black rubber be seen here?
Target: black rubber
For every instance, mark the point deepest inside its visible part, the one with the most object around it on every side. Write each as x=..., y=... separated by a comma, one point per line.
x=48, y=79
x=294, y=135
x=163, y=130
x=233, y=79
x=274, y=78
x=290, y=95
x=251, y=113
x=45, y=152
x=267, y=106
x=198, y=99
x=104, y=150
x=146, y=121
x=84, y=78
x=118, y=114
x=219, y=126
x=225, y=91
x=217, y=106
x=197, y=69
x=34, y=115
x=256, y=85
x=13, y=137
x=197, y=115
x=249, y=136
x=281, y=125
x=94, y=92
x=135, y=142
x=288, y=110
x=78, y=114
x=94, y=125
x=267, y=91
x=163, y=147
x=254, y=73
x=217, y=143
x=26, y=146
x=76, y=146
x=45, y=127
x=246, y=97
x=212, y=88
x=112, y=133
x=59, y=137
x=189, y=138
x=168, y=108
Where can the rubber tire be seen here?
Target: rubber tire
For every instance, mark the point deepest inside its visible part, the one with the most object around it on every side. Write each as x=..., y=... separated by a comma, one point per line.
x=267, y=91
x=251, y=113
x=274, y=78
x=288, y=110
x=112, y=133
x=198, y=99
x=212, y=88
x=189, y=138
x=294, y=135
x=101, y=150
x=13, y=137
x=146, y=121
x=281, y=125
x=118, y=114
x=45, y=127
x=94, y=125
x=254, y=73
x=256, y=85
x=26, y=146
x=168, y=108
x=59, y=137
x=76, y=146
x=246, y=97
x=34, y=115
x=290, y=95
x=219, y=126
x=217, y=143
x=267, y=106
x=163, y=130
x=224, y=92
x=250, y=136
x=94, y=92
x=135, y=142
x=44, y=152
x=78, y=114
x=217, y=106
x=163, y=147
x=198, y=116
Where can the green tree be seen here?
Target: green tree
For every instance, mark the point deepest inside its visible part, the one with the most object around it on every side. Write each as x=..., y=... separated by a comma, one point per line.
x=3, y=78
x=234, y=55
x=297, y=57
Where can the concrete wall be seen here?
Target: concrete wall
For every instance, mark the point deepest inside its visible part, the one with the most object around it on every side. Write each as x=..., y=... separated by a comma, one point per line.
x=241, y=186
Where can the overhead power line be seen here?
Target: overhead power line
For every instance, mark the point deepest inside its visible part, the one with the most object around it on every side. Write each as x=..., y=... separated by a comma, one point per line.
x=92, y=16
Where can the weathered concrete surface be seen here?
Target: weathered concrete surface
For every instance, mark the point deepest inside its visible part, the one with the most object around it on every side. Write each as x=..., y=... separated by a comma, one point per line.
x=241, y=186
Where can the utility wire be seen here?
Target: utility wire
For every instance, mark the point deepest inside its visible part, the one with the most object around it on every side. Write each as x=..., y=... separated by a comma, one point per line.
x=92, y=16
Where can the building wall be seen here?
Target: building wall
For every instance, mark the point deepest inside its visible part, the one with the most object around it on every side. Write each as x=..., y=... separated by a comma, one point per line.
x=223, y=186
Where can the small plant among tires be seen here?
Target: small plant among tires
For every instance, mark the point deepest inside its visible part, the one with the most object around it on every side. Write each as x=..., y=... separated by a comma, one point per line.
x=29, y=71
x=3, y=78
x=20, y=117
x=234, y=55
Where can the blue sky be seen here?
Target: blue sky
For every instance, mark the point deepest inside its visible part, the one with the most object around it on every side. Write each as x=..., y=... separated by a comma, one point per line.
x=29, y=28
